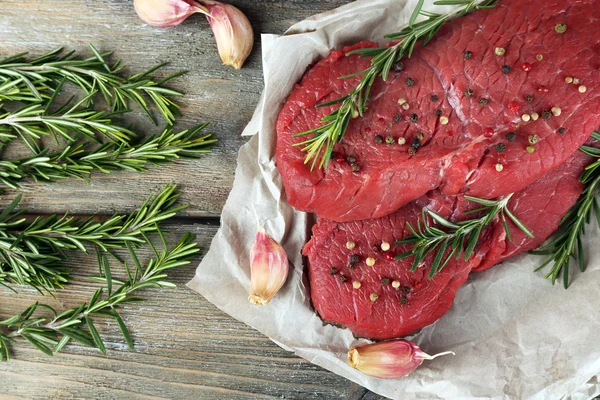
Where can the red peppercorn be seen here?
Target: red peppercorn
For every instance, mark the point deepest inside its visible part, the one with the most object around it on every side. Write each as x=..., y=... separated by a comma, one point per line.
x=389, y=255
x=511, y=127
x=526, y=67
x=418, y=284
x=543, y=89
x=489, y=132
x=514, y=106
x=450, y=133
x=340, y=159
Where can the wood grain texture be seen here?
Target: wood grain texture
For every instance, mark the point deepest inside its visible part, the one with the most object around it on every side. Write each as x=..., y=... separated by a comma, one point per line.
x=185, y=347
x=214, y=93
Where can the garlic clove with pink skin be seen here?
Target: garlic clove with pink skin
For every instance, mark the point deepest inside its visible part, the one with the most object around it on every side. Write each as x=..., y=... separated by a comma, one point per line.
x=389, y=360
x=233, y=32
x=167, y=13
x=269, y=268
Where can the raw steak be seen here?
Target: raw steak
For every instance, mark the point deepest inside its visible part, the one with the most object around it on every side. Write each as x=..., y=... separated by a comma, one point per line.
x=418, y=302
x=474, y=153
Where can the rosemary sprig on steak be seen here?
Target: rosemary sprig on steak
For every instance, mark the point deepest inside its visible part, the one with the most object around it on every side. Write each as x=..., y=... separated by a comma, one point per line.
x=354, y=104
x=569, y=243
x=453, y=239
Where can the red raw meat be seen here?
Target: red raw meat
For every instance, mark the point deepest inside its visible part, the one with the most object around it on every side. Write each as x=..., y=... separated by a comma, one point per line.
x=540, y=207
x=460, y=157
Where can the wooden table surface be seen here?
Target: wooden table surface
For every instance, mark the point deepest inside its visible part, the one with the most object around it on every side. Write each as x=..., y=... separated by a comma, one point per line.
x=185, y=347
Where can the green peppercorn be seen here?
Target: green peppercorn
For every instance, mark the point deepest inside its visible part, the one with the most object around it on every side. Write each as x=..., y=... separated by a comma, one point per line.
x=483, y=101
x=333, y=271
x=389, y=140
x=355, y=167
x=560, y=28
x=468, y=55
x=469, y=92
x=529, y=98
x=420, y=137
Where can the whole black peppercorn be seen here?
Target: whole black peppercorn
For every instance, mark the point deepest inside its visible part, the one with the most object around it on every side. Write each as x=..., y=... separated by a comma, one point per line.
x=343, y=278
x=416, y=143
x=469, y=92
x=390, y=140
x=351, y=159
x=405, y=290
x=468, y=55
x=529, y=98
x=546, y=114
x=398, y=118
x=399, y=66
x=562, y=131
x=414, y=118
x=333, y=155
x=483, y=101
x=438, y=112
x=403, y=300
x=506, y=69
x=354, y=258
x=412, y=150
x=511, y=136
x=500, y=147
x=378, y=139
x=434, y=97
x=410, y=82
x=375, y=248
x=385, y=281
x=333, y=271
x=355, y=167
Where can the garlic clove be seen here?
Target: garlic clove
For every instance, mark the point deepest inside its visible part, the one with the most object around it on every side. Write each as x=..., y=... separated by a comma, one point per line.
x=388, y=360
x=166, y=13
x=233, y=32
x=269, y=268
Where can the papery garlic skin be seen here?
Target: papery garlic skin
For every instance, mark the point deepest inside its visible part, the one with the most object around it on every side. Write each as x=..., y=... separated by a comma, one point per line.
x=233, y=32
x=269, y=268
x=388, y=360
x=166, y=13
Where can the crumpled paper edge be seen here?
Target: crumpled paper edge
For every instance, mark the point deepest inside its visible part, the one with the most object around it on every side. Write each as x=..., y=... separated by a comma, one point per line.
x=231, y=244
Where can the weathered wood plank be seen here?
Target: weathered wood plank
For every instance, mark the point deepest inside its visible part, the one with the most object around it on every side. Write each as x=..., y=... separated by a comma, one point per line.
x=213, y=92
x=185, y=348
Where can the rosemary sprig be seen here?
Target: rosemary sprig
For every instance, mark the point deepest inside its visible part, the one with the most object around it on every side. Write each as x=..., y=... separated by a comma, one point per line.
x=569, y=242
x=455, y=238
x=78, y=162
x=51, y=334
x=33, y=252
x=354, y=104
x=92, y=75
x=35, y=121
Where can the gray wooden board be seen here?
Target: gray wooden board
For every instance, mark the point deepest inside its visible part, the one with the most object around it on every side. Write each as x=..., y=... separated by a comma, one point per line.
x=185, y=347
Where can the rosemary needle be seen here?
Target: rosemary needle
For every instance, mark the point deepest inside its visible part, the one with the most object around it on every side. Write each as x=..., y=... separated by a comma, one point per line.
x=354, y=104
x=449, y=239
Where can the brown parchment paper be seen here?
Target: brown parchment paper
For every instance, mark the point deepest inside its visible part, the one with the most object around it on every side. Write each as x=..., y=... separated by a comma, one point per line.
x=515, y=336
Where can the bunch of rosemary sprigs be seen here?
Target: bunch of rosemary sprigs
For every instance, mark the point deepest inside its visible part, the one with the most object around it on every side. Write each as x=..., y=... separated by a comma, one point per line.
x=73, y=136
